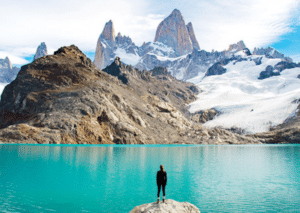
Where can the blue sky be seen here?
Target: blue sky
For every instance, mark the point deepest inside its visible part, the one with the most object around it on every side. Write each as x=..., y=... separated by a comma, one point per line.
x=217, y=23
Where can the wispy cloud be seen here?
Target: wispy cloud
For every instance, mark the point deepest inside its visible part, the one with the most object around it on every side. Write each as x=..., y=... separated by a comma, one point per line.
x=257, y=22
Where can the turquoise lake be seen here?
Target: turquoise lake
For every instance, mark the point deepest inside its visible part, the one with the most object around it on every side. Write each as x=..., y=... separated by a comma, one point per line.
x=244, y=178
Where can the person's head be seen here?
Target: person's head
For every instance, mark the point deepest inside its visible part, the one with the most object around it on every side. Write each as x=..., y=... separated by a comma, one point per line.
x=162, y=168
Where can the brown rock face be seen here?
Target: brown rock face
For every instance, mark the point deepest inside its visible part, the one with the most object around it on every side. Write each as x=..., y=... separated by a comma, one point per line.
x=64, y=99
x=106, y=38
x=190, y=29
x=173, y=33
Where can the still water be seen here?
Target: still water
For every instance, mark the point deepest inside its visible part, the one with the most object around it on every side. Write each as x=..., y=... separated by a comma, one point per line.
x=260, y=178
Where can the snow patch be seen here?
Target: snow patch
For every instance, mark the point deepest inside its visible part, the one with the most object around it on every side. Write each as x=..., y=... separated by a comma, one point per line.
x=104, y=45
x=161, y=46
x=166, y=58
x=127, y=58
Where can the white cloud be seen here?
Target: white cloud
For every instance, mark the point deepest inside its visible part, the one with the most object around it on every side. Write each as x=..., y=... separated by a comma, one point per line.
x=217, y=23
x=141, y=28
x=16, y=60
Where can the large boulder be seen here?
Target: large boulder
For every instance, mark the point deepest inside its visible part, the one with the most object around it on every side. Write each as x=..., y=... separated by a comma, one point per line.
x=170, y=206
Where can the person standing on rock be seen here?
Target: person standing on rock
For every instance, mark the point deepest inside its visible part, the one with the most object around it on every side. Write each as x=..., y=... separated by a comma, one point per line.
x=161, y=181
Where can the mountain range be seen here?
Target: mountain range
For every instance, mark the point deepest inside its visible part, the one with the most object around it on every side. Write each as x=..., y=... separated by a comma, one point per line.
x=64, y=99
x=175, y=47
x=165, y=91
x=8, y=72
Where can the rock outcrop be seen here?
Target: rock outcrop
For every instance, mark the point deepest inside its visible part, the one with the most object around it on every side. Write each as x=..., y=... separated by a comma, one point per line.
x=270, y=52
x=237, y=47
x=64, y=99
x=288, y=132
x=169, y=206
x=8, y=72
x=41, y=51
x=203, y=116
x=108, y=32
x=269, y=72
x=190, y=29
x=173, y=32
x=275, y=71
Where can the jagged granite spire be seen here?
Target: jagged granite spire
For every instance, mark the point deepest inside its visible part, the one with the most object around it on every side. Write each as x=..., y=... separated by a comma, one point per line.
x=190, y=29
x=41, y=51
x=7, y=71
x=106, y=39
x=270, y=52
x=108, y=32
x=173, y=33
x=5, y=63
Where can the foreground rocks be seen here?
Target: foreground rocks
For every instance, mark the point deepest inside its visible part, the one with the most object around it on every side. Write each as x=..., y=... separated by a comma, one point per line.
x=64, y=99
x=170, y=206
x=288, y=132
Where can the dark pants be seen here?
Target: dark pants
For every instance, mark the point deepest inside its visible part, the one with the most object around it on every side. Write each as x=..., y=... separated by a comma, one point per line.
x=163, y=189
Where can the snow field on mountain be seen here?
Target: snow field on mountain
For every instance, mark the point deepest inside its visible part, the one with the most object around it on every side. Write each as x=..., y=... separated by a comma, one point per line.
x=127, y=58
x=246, y=102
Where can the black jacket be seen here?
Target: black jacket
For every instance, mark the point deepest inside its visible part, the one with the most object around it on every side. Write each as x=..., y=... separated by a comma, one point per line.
x=161, y=178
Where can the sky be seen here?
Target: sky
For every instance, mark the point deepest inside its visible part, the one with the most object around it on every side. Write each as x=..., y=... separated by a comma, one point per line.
x=217, y=23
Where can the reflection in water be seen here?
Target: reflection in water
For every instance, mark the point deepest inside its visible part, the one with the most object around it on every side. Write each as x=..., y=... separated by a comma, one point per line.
x=117, y=178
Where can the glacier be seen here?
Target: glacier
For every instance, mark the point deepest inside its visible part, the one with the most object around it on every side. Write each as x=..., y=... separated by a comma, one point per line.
x=246, y=102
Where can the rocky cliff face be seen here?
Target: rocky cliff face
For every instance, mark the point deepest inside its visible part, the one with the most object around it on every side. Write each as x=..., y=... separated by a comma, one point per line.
x=190, y=29
x=108, y=32
x=105, y=45
x=173, y=32
x=7, y=71
x=41, y=51
x=64, y=98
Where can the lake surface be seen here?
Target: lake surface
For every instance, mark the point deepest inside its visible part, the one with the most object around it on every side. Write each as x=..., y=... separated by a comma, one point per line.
x=244, y=178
